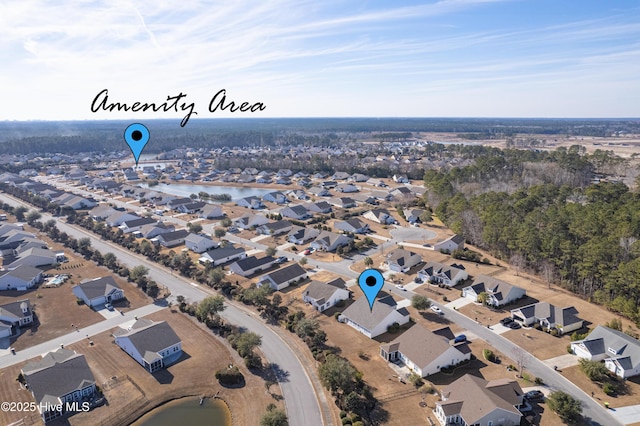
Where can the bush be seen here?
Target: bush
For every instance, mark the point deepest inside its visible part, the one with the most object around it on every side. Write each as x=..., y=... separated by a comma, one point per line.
x=343, y=414
x=609, y=389
x=336, y=315
x=569, y=350
x=539, y=381
x=555, y=332
x=488, y=355
x=229, y=376
x=79, y=301
x=346, y=421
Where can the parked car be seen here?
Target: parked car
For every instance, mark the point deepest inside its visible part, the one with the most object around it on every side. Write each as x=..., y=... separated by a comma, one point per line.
x=460, y=338
x=281, y=259
x=306, y=252
x=400, y=287
x=418, y=280
x=534, y=395
x=437, y=310
x=109, y=306
x=514, y=325
x=506, y=321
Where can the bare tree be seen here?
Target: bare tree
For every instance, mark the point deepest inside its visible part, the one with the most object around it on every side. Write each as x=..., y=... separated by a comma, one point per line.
x=521, y=357
x=518, y=262
x=548, y=272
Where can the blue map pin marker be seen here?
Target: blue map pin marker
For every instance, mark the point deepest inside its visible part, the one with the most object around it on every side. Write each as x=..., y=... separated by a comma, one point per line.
x=136, y=136
x=371, y=282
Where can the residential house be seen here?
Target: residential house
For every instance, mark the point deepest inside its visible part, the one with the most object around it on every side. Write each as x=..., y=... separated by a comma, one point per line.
x=98, y=291
x=438, y=273
x=275, y=197
x=275, y=228
x=135, y=225
x=250, y=202
x=191, y=207
x=319, y=192
x=154, y=345
x=101, y=212
x=329, y=241
x=305, y=182
x=340, y=176
x=60, y=377
x=172, y=239
x=250, y=221
x=283, y=277
x=355, y=226
x=298, y=194
x=471, y=400
x=329, y=184
x=401, y=260
x=251, y=265
x=298, y=212
x=455, y=242
x=376, y=182
x=413, y=215
x=380, y=216
x=119, y=217
x=343, y=202
x=301, y=235
x=358, y=177
x=426, y=352
x=323, y=295
x=199, y=243
x=152, y=230
x=222, y=255
x=400, y=178
x=20, y=278
x=499, y=293
x=13, y=316
x=211, y=211
x=374, y=321
x=365, y=198
x=550, y=317
x=34, y=257
x=346, y=188
x=173, y=204
x=620, y=352
x=318, y=207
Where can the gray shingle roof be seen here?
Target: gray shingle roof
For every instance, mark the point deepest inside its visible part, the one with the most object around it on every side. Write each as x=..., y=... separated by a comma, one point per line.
x=150, y=337
x=360, y=313
x=57, y=374
x=287, y=273
x=321, y=291
x=98, y=287
x=252, y=262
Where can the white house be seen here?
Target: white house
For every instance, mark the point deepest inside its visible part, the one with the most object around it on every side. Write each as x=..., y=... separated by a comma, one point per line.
x=199, y=243
x=34, y=257
x=119, y=217
x=135, y=225
x=21, y=278
x=13, y=316
x=564, y=320
x=329, y=241
x=250, y=221
x=374, y=321
x=499, y=292
x=154, y=345
x=98, y=291
x=471, y=400
x=211, y=211
x=438, y=273
x=283, y=277
x=452, y=243
x=223, y=255
x=301, y=235
x=380, y=216
x=275, y=228
x=353, y=225
x=401, y=260
x=251, y=265
x=620, y=352
x=426, y=352
x=275, y=197
x=323, y=295
x=251, y=202
x=298, y=212
x=60, y=377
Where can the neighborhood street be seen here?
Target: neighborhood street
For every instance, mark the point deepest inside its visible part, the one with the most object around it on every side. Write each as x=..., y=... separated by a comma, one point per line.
x=299, y=394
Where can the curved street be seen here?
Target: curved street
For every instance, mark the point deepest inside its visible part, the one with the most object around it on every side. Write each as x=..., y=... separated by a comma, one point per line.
x=303, y=406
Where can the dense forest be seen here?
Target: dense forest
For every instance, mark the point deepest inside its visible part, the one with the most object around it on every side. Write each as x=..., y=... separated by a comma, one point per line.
x=542, y=213
x=106, y=136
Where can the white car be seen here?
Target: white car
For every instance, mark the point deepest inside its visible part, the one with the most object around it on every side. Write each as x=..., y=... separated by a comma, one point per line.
x=400, y=287
x=436, y=310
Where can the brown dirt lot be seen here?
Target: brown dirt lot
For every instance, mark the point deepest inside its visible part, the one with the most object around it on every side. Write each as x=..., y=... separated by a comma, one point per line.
x=56, y=308
x=630, y=395
x=131, y=390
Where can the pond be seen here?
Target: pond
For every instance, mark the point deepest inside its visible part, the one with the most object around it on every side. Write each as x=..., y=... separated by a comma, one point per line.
x=184, y=190
x=187, y=411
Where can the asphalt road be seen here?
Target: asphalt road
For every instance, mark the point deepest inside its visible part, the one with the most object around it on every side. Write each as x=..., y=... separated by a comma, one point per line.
x=299, y=395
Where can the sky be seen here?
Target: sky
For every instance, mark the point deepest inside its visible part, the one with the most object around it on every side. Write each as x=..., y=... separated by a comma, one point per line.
x=329, y=58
